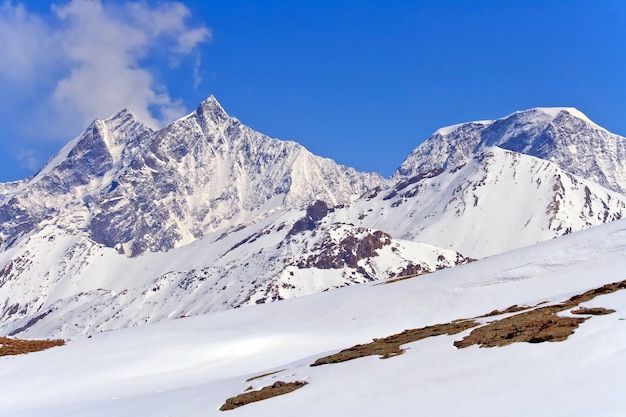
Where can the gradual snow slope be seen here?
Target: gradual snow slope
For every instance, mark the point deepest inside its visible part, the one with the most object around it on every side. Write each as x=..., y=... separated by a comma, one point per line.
x=564, y=136
x=188, y=367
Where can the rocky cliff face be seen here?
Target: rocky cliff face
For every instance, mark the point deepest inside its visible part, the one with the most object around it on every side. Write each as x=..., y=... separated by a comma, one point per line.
x=62, y=190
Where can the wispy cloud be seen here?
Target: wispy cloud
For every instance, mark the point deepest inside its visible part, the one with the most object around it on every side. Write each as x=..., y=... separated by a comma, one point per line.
x=197, y=78
x=28, y=159
x=86, y=59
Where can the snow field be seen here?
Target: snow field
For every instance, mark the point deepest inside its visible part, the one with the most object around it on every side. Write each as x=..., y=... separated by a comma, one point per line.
x=188, y=367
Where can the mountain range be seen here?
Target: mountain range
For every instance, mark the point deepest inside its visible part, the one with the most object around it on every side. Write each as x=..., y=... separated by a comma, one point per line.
x=127, y=225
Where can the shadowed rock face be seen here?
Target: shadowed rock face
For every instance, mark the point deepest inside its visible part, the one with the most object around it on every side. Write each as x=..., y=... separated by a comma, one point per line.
x=347, y=252
x=314, y=213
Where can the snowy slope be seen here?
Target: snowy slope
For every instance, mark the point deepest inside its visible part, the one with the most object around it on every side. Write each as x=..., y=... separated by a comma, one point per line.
x=188, y=367
x=564, y=136
x=60, y=284
x=496, y=201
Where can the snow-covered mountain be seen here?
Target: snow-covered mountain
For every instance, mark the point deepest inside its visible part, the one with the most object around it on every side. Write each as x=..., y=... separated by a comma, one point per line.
x=493, y=202
x=564, y=136
x=61, y=284
x=143, y=191
x=190, y=367
x=127, y=226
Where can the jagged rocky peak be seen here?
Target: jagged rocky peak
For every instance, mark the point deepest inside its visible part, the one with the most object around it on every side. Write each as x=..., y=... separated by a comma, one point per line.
x=208, y=171
x=102, y=146
x=123, y=129
x=561, y=135
x=211, y=110
x=142, y=191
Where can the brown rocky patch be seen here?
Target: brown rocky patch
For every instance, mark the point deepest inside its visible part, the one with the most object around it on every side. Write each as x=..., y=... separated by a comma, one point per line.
x=19, y=346
x=526, y=324
x=348, y=252
x=535, y=326
x=512, y=309
x=263, y=375
x=538, y=325
x=532, y=325
x=591, y=294
x=276, y=389
x=314, y=213
x=390, y=346
x=594, y=311
x=400, y=278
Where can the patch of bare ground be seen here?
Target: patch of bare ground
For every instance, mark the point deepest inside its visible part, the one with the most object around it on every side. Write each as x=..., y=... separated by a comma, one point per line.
x=538, y=325
x=594, y=311
x=274, y=390
x=19, y=346
x=390, y=345
x=591, y=294
x=532, y=325
x=263, y=375
x=526, y=324
x=513, y=309
x=402, y=278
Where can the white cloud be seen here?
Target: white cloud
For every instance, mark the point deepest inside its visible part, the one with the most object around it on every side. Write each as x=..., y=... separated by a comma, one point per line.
x=26, y=44
x=28, y=159
x=168, y=19
x=197, y=78
x=95, y=53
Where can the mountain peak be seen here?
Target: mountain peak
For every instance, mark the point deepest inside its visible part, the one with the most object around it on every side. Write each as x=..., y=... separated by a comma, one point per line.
x=212, y=110
x=563, y=135
x=554, y=112
x=123, y=113
x=551, y=112
x=212, y=103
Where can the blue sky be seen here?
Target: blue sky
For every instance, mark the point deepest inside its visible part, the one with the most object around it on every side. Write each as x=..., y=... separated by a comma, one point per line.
x=361, y=82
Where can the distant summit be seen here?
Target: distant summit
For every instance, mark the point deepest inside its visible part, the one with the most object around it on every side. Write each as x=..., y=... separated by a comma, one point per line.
x=561, y=135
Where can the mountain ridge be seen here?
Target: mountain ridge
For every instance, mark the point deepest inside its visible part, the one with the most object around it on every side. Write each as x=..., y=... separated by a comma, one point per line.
x=120, y=159
x=564, y=136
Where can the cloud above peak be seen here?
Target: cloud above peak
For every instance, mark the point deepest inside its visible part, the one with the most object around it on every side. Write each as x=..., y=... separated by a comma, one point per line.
x=89, y=58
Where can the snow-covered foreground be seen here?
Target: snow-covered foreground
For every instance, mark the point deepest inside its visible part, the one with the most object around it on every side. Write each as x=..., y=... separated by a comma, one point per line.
x=189, y=367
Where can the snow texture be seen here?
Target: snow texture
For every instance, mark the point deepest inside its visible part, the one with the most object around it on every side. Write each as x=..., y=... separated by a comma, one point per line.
x=189, y=367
